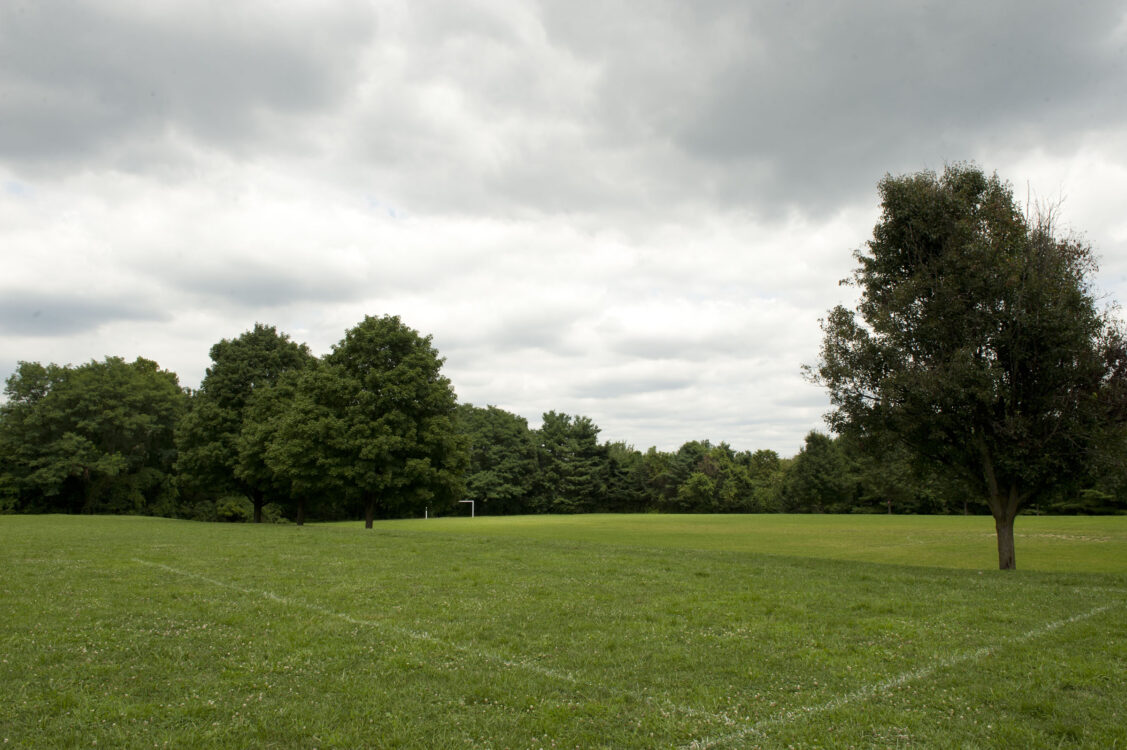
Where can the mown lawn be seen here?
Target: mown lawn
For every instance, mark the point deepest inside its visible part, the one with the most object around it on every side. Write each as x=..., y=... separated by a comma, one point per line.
x=590, y=631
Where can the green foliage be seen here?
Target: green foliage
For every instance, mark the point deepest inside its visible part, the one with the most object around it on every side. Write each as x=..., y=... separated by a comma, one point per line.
x=294, y=439
x=208, y=437
x=819, y=480
x=234, y=508
x=765, y=471
x=373, y=429
x=976, y=344
x=502, y=459
x=574, y=471
x=399, y=450
x=97, y=438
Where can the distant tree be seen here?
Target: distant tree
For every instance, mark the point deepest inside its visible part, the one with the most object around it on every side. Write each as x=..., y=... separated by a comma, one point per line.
x=887, y=481
x=573, y=465
x=818, y=480
x=402, y=449
x=675, y=470
x=655, y=479
x=208, y=436
x=502, y=459
x=977, y=344
x=697, y=494
x=626, y=486
x=96, y=438
x=765, y=472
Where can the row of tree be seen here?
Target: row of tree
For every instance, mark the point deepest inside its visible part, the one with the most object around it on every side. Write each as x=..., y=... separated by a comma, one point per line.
x=370, y=425
x=562, y=468
x=372, y=429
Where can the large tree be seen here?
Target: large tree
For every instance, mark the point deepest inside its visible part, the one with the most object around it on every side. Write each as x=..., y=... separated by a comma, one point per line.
x=208, y=436
x=977, y=343
x=402, y=451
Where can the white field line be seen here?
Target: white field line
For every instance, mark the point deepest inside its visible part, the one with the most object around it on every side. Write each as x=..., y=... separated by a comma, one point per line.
x=868, y=691
x=422, y=635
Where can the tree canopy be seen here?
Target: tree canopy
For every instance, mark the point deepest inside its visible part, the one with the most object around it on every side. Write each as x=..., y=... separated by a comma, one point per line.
x=401, y=448
x=96, y=438
x=502, y=459
x=977, y=344
x=208, y=436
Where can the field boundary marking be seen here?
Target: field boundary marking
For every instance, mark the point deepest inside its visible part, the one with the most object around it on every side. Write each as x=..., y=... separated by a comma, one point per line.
x=865, y=692
x=424, y=636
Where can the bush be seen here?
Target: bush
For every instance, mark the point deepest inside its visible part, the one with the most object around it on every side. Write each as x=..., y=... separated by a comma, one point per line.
x=234, y=509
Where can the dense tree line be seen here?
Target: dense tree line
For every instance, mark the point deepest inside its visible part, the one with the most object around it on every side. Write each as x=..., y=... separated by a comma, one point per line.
x=373, y=430
x=561, y=468
x=272, y=432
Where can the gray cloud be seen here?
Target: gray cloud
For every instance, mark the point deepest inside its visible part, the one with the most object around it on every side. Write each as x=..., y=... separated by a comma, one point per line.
x=38, y=314
x=656, y=346
x=82, y=80
x=579, y=107
x=619, y=386
x=255, y=284
x=837, y=94
x=767, y=107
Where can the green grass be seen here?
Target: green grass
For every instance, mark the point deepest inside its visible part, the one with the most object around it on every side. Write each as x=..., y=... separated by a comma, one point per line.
x=1063, y=544
x=596, y=631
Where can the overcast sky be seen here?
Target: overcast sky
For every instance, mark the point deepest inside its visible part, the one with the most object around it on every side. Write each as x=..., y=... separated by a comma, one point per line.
x=635, y=211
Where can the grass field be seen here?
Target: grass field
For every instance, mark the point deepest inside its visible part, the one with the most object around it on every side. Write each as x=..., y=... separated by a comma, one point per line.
x=590, y=631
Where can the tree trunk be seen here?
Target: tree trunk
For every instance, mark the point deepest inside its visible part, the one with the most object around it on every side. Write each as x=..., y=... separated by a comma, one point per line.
x=301, y=512
x=1004, y=509
x=1005, y=529
x=369, y=512
x=258, y=501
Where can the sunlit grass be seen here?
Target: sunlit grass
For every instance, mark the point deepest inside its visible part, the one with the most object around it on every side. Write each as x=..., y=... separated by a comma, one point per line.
x=602, y=631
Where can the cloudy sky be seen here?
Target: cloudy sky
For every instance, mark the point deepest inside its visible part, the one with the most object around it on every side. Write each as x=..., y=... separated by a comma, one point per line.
x=632, y=211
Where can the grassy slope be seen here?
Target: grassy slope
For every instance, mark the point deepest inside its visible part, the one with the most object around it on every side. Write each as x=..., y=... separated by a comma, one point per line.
x=593, y=631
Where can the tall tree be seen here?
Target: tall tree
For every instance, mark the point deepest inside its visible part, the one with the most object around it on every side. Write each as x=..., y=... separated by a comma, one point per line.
x=208, y=436
x=402, y=448
x=977, y=343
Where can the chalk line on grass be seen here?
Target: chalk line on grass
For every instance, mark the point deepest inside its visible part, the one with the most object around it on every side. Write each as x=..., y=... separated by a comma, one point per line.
x=868, y=691
x=422, y=635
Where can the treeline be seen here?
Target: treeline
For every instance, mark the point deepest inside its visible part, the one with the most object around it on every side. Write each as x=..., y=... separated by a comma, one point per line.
x=562, y=468
x=373, y=430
